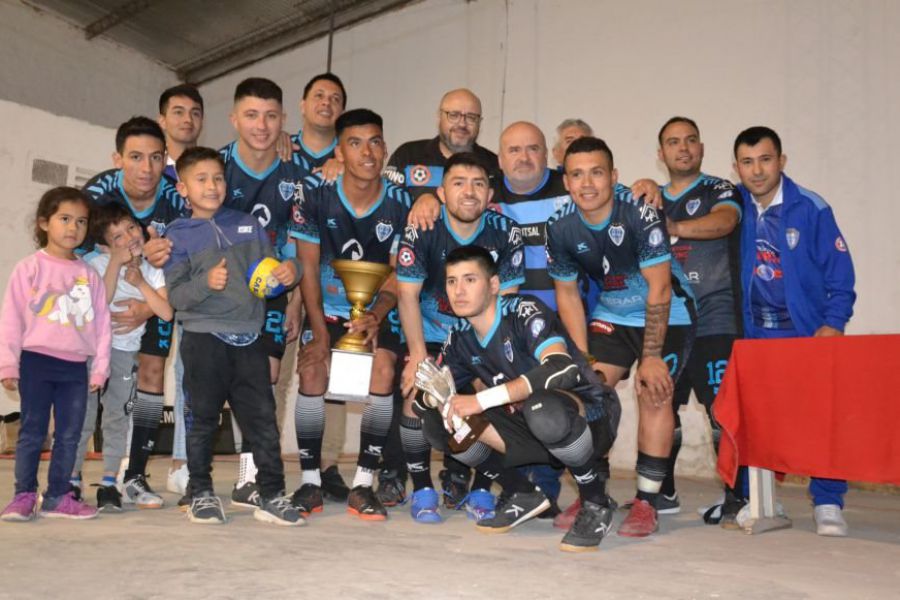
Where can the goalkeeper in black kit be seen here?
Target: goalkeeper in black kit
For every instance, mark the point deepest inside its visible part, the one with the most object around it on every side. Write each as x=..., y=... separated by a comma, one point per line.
x=542, y=402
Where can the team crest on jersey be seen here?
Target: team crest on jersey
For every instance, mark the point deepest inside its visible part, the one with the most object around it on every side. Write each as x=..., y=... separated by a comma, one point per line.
x=355, y=248
x=406, y=257
x=656, y=237
x=605, y=266
x=419, y=175
x=516, y=258
x=692, y=206
x=617, y=234
x=840, y=244
x=287, y=189
x=537, y=326
x=507, y=350
x=383, y=231
x=793, y=237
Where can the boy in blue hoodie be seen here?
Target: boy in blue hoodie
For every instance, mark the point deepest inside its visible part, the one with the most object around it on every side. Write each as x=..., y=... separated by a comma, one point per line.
x=796, y=272
x=223, y=355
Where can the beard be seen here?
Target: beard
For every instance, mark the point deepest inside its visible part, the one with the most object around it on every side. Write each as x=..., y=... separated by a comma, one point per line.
x=455, y=148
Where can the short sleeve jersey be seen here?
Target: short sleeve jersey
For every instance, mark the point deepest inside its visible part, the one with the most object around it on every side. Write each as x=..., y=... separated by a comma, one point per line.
x=324, y=216
x=422, y=256
x=308, y=159
x=419, y=166
x=268, y=195
x=613, y=253
x=523, y=328
x=106, y=188
x=711, y=266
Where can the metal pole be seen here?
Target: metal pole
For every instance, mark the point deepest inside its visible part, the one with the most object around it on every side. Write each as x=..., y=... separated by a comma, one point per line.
x=330, y=37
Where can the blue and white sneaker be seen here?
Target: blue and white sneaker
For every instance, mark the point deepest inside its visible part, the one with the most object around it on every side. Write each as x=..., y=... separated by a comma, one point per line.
x=424, y=506
x=479, y=504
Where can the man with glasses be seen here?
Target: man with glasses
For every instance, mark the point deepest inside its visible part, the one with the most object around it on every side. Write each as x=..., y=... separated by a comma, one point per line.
x=419, y=166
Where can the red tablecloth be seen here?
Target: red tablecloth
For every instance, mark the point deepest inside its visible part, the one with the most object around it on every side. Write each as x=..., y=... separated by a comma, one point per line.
x=827, y=407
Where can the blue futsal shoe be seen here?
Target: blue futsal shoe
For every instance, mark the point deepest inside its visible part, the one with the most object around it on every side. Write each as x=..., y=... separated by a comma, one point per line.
x=424, y=506
x=479, y=505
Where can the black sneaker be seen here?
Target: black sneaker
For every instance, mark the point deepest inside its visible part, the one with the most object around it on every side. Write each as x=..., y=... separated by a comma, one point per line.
x=333, y=485
x=247, y=495
x=391, y=488
x=280, y=511
x=363, y=503
x=592, y=524
x=455, y=487
x=109, y=499
x=514, y=510
x=206, y=508
x=730, y=509
x=308, y=499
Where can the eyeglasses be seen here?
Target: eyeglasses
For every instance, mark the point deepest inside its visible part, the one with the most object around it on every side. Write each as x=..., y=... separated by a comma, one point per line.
x=454, y=116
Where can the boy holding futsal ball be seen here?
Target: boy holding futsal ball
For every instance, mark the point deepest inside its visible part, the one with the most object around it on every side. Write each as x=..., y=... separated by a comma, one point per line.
x=223, y=355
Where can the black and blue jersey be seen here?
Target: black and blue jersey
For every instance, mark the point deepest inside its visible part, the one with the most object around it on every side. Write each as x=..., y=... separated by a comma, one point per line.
x=268, y=195
x=422, y=256
x=324, y=216
x=419, y=166
x=308, y=159
x=523, y=328
x=106, y=188
x=711, y=266
x=613, y=253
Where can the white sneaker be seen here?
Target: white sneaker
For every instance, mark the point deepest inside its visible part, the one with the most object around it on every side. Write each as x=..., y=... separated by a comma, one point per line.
x=743, y=516
x=137, y=491
x=830, y=520
x=177, y=480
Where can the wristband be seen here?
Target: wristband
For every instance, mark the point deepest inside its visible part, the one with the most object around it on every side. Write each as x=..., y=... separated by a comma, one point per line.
x=493, y=397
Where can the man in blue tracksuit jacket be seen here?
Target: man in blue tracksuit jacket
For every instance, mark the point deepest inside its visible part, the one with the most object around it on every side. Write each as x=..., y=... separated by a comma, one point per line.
x=796, y=272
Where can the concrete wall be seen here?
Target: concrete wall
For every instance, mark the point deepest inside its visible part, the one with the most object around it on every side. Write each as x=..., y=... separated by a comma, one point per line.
x=818, y=71
x=49, y=64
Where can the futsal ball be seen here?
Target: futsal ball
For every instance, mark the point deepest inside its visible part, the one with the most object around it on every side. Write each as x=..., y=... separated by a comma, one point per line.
x=260, y=280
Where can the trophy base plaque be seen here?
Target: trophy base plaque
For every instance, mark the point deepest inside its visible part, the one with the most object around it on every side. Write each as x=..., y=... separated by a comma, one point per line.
x=350, y=376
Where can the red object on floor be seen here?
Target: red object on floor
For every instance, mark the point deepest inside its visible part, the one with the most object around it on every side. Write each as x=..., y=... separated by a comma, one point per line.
x=826, y=407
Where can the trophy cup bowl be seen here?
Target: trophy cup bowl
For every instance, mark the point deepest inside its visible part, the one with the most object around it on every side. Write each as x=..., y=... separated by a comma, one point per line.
x=362, y=280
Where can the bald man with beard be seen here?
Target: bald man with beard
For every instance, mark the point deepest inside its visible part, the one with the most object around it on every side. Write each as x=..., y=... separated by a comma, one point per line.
x=419, y=166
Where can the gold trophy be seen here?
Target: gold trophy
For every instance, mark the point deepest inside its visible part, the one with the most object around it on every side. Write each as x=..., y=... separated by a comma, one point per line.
x=351, y=358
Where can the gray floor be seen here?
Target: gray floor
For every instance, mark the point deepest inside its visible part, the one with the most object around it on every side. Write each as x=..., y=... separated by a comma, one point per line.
x=158, y=554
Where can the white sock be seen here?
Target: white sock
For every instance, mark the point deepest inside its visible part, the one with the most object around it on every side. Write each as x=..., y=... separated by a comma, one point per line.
x=363, y=477
x=313, y=476
x=247, y=469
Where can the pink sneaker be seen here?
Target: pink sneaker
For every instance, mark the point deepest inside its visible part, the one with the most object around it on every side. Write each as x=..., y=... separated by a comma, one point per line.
x=641, y=520
x=22, y=507
x=69, y=508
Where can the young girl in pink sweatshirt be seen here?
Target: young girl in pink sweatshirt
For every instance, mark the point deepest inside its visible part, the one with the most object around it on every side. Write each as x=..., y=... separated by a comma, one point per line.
x=54, y=318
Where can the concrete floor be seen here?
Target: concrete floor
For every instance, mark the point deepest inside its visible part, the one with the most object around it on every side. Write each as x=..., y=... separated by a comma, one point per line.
x=159, y=554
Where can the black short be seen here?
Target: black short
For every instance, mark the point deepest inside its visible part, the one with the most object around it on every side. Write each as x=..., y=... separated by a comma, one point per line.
x=387, y=337
x=622, y=345
x=704, y=371
x=272, y=335
x=157, y=338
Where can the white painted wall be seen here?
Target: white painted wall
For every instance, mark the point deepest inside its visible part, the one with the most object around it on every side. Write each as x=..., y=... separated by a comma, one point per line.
x=49, y=64
x=821, y=72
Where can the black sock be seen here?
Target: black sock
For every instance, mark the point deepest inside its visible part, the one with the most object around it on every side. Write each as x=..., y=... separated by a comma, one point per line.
x=417, y=452
x=668, y=484
x=481, y=482
x=591, y=483
x=309, y=423
x=148, y=409
x=511, y=480
x=373, y=430
x=651, y=470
